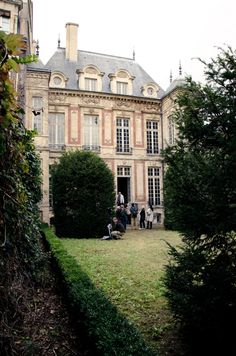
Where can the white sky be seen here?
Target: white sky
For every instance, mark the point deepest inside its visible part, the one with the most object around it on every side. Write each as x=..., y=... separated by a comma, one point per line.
x=161, y=32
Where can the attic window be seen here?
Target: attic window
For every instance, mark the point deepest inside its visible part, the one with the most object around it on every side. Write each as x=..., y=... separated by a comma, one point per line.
x=150, y=91
x=57, y=80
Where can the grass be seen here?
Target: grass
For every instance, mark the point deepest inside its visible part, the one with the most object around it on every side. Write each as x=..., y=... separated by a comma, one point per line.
x=130, y=271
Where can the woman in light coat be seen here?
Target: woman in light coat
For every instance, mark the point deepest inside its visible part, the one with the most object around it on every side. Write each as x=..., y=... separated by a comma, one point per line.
x=149, y=217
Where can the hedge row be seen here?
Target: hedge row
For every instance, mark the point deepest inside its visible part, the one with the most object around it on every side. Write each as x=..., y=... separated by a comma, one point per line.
x=107, y=328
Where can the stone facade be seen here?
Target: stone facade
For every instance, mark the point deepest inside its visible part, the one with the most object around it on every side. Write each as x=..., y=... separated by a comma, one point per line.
x=106, y=104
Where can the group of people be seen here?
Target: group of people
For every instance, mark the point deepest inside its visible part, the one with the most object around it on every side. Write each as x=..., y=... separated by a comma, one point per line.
x=125, y=214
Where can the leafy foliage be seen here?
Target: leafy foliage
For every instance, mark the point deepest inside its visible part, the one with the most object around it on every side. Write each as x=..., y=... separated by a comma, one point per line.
x=83, y=190
x=200, y=202
x=20, y=182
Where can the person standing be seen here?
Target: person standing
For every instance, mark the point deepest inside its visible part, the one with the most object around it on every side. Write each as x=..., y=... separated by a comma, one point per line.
x=120, y=200
x=142, y=215
x=149, y=217
x=133, y=213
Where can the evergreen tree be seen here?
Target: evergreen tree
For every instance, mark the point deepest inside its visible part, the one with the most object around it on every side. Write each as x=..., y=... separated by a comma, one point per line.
x=200, y=202
x=83, y=190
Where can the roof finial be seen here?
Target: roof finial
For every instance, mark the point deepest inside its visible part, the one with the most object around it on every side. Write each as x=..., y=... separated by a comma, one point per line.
x=133, y=54
x=171, y=77
x=37, y=48
x=180, y=68
x=59, y=41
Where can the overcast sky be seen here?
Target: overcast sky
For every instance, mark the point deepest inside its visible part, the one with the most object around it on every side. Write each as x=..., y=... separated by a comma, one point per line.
x=162, y=33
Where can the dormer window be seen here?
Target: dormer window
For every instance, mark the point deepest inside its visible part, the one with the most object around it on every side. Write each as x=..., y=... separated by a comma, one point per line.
x=90, y=84
x=90, y=78
x=122, y=88
x=150, y=90
x=58, y=80
x=121, y=82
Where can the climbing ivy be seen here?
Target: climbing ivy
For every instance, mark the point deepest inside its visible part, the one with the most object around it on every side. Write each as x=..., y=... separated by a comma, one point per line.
x=20, y=184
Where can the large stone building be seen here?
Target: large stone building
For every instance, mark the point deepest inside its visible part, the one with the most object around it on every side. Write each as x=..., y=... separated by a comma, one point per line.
x=103, y=103
x=106, y=104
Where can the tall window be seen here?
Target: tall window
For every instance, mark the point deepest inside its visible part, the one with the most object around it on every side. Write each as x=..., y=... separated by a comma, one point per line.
x=122, y=88
x=154, y=185
x=152, y=137
x=122, y=135
x=171, y=130
x=5, y=20
x=37, y=106
x=56, y=130
x=91, y=132
x=90, y=84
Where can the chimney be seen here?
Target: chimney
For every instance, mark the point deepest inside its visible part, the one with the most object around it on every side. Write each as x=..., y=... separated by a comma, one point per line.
x=71, y=41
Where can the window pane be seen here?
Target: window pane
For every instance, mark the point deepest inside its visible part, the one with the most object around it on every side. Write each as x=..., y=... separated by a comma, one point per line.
x=152, y=137
x=154, y=185
x=90, y=84
x=122, y=135
x=37, y=106
x=122, y=88
x=91, y=131
x=57, y=129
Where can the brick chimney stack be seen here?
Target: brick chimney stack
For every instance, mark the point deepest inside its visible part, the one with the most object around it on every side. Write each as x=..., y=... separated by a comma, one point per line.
x=71, y=41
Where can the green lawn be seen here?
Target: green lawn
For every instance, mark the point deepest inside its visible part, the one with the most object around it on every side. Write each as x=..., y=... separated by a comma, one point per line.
x=130, y=271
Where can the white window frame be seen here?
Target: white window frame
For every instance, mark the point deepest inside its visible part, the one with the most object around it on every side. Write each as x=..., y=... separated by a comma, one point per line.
x=154, y=191
x=171, y=130
x=90, y=84
x=91, y=132
x=37, y=112
x=5, y=24
x=56, y=129
x=152, y=137
x=122, y=88
x=123, y=135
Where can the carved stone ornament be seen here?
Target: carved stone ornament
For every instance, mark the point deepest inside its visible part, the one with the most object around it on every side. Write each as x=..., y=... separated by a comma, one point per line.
x=123, y=103
x=91, y=100
x=150, y=107
x=56, y=98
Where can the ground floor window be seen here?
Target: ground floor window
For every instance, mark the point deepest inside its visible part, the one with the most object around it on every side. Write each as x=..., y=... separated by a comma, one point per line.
x=154, y=186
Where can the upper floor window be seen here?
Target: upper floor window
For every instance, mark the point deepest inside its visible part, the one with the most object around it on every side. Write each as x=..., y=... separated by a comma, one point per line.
x=90, y=78
x=122, y=88
x=121, y=82
x=58, y=80
x=154, y=196
x=56, y=130
x=152, y=137
x=171, y=130
x=5, y=20
x=150, y=90
x=37, y=112
x=122, y=135
x=90, y=84
x=91, y=132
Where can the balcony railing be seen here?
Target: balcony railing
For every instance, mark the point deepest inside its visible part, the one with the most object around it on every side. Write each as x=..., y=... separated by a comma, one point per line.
x=93, y=148
x=152, y=151
x=124, y=150
x=57, y=146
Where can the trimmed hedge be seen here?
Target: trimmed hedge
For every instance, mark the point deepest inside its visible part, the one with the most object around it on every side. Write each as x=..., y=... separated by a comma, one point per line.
x=109, y=330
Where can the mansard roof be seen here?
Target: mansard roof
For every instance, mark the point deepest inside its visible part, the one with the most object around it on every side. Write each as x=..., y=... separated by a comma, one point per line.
x=105, y=63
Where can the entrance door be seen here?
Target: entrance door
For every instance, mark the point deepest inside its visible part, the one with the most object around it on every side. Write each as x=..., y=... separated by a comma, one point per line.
x=123, y=186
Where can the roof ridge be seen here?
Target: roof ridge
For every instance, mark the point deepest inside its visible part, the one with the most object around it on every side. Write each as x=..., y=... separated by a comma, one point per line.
x=102, y=54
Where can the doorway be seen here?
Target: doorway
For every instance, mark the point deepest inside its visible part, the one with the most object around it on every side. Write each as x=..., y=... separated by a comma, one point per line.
x=123, y=186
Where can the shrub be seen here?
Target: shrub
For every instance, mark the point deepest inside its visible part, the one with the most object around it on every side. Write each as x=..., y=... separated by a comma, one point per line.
x=107, y=328
x=83, y=190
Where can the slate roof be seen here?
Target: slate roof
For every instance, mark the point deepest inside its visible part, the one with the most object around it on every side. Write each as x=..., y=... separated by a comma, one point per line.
x=178, y=82
x=105, y=63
